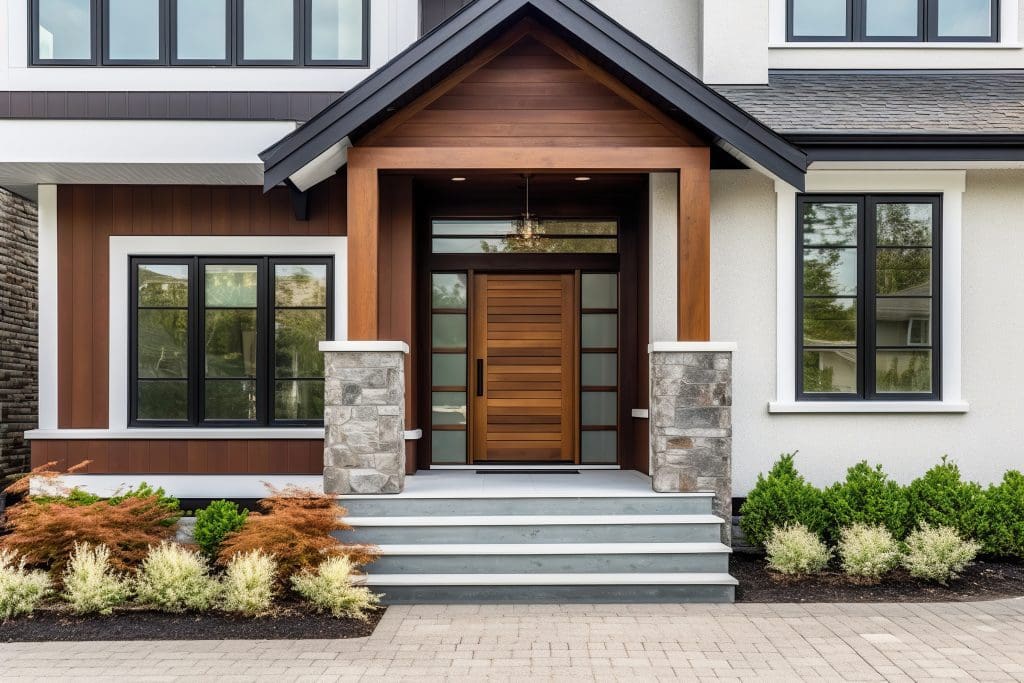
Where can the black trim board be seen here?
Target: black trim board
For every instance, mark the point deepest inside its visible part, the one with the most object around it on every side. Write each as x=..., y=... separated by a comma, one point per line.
x=938, y=147
x=601, y=39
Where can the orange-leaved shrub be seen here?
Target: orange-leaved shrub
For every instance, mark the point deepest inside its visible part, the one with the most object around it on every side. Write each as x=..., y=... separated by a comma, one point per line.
x=296, y=527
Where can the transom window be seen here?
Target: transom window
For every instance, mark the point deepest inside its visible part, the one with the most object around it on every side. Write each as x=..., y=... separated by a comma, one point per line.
x=229, y=341
x=868, y=306
x=893, y=20
x=200, y=32
x=533, y=236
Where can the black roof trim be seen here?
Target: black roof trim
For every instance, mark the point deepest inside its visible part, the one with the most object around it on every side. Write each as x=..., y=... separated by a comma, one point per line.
x=912, y=147
x=626, y=56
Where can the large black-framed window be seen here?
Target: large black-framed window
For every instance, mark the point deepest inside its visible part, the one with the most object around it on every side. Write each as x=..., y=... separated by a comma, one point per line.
x=199, y=33
x=892, y=20
x=232, y=342
x=868, y=297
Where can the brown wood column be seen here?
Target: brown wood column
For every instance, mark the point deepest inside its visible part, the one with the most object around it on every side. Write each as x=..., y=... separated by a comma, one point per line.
x=363, y=247
x=695, y=247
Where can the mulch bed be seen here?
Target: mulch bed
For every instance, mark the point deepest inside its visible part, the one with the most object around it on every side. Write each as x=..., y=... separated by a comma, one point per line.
x=289, y=623
x=984, y=580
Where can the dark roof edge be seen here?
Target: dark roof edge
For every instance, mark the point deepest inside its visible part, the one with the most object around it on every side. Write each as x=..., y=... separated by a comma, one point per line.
x=912, y=146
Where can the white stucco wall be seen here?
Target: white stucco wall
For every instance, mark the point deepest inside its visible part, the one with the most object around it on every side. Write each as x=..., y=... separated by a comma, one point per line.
x=985, y=442
x=671, y=26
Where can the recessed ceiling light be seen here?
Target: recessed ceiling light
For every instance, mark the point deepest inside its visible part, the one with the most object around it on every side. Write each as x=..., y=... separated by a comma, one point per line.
x=458, y=179
x=582, y=178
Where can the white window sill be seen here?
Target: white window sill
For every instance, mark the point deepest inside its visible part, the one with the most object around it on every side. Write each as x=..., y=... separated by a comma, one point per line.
x=841, y=45
x=860, y=407
x=285, y=433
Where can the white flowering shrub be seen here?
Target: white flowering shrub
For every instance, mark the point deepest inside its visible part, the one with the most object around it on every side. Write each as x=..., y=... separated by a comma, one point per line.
x=175, y=579
x=331, y=588
x=795, y=549
x=868, y=551
x=20, y=589
x=248, y=585
x=90, y=585
x=938, y=553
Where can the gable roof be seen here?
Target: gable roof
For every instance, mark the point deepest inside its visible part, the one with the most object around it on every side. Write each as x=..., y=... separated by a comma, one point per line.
x=638, y=65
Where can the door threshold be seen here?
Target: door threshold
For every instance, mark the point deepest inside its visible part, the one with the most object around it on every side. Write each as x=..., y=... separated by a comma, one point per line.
x=526, y=468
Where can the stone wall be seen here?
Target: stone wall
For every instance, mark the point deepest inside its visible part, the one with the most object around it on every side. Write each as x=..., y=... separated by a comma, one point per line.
x=691, y=422
x=19, y=377
x=364, y=417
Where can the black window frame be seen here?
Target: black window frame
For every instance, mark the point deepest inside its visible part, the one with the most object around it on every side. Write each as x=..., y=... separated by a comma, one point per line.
x=867, y=298
x=307, y=39
x=927, y=29
x=94, y=37
x=298, y=49
x=162, y=28
x=265, y=311
x=229, y=34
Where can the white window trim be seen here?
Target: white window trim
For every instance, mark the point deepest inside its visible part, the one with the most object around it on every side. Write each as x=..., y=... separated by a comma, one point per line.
x=121, y=248
x=951, y=184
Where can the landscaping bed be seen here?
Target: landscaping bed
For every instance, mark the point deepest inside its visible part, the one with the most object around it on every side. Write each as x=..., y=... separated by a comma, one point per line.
x=983, y=580
x=289, y=622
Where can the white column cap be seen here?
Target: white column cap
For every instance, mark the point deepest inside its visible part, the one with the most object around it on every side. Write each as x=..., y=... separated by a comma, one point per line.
x=365, y=346
x=692, y=347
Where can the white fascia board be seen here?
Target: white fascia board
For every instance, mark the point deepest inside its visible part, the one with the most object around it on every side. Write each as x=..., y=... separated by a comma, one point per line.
x=323, y=167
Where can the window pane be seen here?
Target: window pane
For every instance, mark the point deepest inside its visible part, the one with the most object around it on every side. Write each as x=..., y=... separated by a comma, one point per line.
x=448, y=408
x=830, y=322
x=449, y=331
x=830, y=272
x=830, y=372
x=448, y=370
x=231, y=343
x=297, y=337
x=892, y=18
x=448, y=447
x=600, y=330
x=904, y=272
x=300, y=285
x=448, y=290
x=475, y=228
x=337, y=29
x=819, y=18
x=230, y=399
x=906, y=372
x=268, y=29
x=829, y=224
x=903, y=322
x=500, y=228
x=163, y=343
x=163, y=285
x=202, y=30
x=599, y=448
x=299, y=400
x=520, y=245
x=598, y=408
x=231, y=286
x=65, y=29
x=134, y=29
x=964, y=18
x=904, y=225
x=599, y=370
x=600, y=290
x=163, y=400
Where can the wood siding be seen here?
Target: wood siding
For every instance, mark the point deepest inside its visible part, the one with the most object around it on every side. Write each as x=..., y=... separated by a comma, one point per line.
x=183, y=457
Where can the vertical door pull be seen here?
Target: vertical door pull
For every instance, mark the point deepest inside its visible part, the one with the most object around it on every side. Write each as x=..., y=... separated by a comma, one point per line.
x=479, y=376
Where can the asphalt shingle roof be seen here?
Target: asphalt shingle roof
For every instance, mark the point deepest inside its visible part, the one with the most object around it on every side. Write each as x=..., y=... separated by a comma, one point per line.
x=808, y=102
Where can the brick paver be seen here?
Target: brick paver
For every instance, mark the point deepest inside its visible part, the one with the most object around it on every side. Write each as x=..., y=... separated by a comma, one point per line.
x=862, y=642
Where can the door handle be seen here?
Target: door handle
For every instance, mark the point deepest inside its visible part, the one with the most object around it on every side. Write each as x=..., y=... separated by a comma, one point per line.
x=479, y=376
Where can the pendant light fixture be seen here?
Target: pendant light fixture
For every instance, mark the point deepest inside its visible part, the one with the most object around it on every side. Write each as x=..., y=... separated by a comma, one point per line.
x=527, y=226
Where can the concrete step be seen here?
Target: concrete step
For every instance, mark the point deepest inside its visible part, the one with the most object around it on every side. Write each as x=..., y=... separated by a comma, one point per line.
x=625, y=587
x=408, y=506
x=573, y=558
x=661, y=528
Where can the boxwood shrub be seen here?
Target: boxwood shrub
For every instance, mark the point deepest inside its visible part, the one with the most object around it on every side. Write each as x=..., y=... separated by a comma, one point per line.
x=1000, y=520
x=782, y=498
x=942, y=498
x=867, y=496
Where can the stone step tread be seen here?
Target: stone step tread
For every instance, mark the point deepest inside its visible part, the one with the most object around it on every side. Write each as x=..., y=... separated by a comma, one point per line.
x=504, y=495
x=560, y=579
x=530, y=520
x=442, y=549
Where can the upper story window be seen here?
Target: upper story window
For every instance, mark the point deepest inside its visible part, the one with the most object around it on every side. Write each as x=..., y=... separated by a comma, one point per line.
x=893, y=20
x=200, y=32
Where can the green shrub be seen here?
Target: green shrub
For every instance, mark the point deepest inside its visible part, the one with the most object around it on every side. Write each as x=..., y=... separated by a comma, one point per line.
x=175, y=579
x=20, y=589
x=867, y=496
x=249, y=583
x=938, y=553
x=144, y=490
x=331, y=588
x=942, y=498
x=213, y=523
x=90, y=585
x=795, y=549
x=868, y=552
x=1000, y=522
x=780, y=498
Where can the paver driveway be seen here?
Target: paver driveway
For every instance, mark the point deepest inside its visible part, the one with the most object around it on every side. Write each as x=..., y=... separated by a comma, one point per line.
x=972, y=641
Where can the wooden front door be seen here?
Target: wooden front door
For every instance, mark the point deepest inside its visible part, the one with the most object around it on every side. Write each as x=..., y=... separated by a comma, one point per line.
x=523, y=368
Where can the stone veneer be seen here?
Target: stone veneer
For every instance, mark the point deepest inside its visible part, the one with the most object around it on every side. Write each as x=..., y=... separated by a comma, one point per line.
x=691, y=421
x=364, y=417
x=18, y=330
